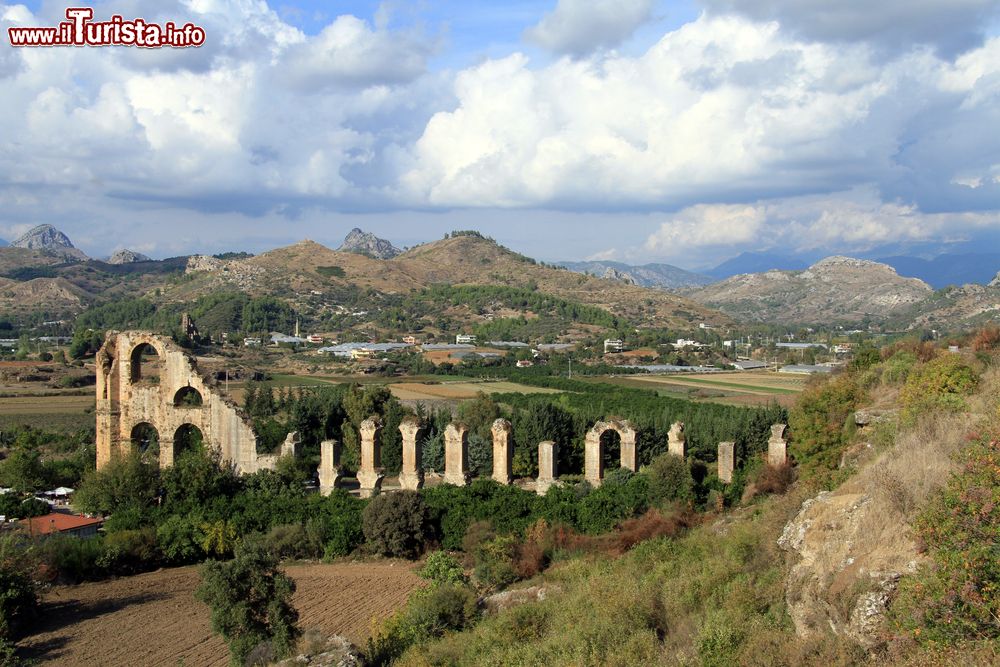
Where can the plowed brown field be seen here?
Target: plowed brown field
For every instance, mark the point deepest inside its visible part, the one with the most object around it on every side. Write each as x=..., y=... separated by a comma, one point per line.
x=154, y=619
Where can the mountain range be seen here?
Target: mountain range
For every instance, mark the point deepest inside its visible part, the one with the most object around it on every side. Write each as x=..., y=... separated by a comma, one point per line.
x=43, y=272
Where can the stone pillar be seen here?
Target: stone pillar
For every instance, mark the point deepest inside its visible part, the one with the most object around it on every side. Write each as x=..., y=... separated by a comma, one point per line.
x=593, y=463
x=548, y=457
x=676, y=440
x=292, y=445
x=456, y=454
x=411, y=476
x=503, y=451
x=371, y=474
x=329, y=466
x=777, y=446
x=727, y=461
x=629, y=450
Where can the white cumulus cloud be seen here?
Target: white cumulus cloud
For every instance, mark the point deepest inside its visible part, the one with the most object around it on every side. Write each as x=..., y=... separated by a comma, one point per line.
x=578, y=27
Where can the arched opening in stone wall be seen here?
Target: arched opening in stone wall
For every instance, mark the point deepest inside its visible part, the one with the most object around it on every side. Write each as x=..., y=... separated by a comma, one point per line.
x=187, y=438
x=146, y=439
x=188, y=397
x=145, y=364
x=611, y=450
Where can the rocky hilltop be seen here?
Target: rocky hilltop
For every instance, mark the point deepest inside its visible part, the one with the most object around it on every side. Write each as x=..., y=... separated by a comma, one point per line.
x=126, y=256
x=664, y=276
x=365, y=243
x=836, y=289
x=48, y=239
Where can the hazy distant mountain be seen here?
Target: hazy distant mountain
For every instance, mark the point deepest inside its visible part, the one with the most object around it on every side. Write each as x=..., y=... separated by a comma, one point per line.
x=756, y=262
x=948, y=269
x=365, y=243
x=50, y=240
x=665, y=276
x=3, y=244
x=836, y=289
x=126, y=256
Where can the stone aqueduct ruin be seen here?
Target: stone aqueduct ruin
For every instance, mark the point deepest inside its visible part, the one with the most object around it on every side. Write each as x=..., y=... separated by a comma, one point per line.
x=179, y=401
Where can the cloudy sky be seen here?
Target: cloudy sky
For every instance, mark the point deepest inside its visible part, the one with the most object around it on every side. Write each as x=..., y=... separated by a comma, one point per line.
x=637, y=130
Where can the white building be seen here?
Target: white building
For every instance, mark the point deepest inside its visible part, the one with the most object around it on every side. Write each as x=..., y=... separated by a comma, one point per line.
x=613, y=345
x=465, y=339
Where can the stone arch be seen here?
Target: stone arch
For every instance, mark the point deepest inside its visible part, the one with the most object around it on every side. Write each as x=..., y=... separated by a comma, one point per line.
x=187, y=437
x=141, y=368
x=188, y=397
x=145, y=438
x=594, y=449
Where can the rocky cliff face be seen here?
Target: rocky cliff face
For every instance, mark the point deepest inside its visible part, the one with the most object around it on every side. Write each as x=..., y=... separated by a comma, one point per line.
x=366, y=243
x=126, y=256
x=49, y=239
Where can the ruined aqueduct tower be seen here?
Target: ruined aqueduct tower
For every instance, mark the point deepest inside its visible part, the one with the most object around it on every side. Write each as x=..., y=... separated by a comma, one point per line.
x=177, y=403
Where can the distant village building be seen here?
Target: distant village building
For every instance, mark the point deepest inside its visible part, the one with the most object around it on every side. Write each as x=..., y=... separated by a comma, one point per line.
x=252, y=342
x=613, y=345
x=465, y=339
x=59, y=523
x=362, y=353
x=315, y=339
x=807, y=369
x=748, y=364
x=410, y=340
x=684, y=342
x=525, y=363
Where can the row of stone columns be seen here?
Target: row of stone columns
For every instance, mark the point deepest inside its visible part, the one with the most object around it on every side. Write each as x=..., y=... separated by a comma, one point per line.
x=456, y=455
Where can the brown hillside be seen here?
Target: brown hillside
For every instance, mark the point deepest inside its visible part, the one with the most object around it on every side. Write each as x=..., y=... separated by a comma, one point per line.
x=463, y=260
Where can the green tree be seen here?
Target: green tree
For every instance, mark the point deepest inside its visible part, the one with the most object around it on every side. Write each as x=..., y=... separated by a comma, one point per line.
x=251, y=602
x=23, y=470
x=396, y=524
x=127, y=482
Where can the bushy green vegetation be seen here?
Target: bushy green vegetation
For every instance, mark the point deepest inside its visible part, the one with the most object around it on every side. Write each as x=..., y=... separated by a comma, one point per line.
x=956, y=596
x=941, y=384
x=251, y=603
x=704, y=598
x=819, y=421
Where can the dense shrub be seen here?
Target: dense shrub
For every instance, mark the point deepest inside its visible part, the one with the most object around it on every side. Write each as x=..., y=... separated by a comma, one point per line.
x=429, y=613
x=495, y=562
x=341, y=517
x=396, y=524
x=669, y=480
x=600, y=510
x=817, y=422
x=774, y=479
x=939, y=385
x=957, y=596
x=251, y=602
x=443, y=568
x=18, y=590
x=179, y=538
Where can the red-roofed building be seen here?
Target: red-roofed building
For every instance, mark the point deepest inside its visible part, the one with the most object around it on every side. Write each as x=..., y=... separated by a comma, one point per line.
x=62, y=524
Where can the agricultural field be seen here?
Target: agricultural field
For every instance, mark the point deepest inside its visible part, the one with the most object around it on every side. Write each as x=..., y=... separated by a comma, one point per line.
x=48, y=410
x=153, y=619
x=739, y=388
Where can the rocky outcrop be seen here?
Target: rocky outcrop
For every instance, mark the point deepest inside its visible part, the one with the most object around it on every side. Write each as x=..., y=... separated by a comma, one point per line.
x=50, y=240
x=126, y=256
x=611, y=273
x=335, y=651
x=849, y=559
x=498, y=602
x=835, y=289
x=365, y=243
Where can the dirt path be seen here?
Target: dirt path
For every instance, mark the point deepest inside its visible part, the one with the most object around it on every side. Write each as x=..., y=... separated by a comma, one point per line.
x=154, y=619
